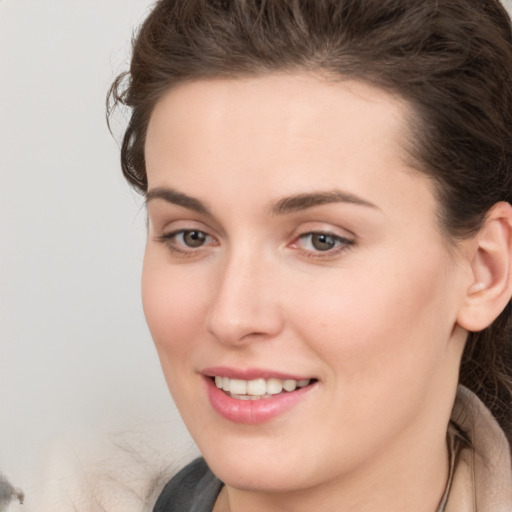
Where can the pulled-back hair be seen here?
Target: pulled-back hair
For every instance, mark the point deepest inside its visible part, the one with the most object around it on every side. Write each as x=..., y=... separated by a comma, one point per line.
x=451, y=60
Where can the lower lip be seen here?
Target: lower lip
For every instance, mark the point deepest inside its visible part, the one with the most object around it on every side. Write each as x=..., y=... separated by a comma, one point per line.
x=253, y=412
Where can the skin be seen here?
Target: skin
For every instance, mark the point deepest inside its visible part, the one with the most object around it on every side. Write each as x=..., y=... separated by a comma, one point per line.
x=374, y=319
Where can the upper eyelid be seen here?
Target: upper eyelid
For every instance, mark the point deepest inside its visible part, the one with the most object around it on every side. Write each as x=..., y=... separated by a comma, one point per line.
x=324, y=232
x=335, y=231
x=175, y=232
x=339, y=238
x=163, y=223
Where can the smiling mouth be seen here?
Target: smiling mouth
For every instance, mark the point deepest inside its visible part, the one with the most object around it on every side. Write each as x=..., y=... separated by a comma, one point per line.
x=257, y=389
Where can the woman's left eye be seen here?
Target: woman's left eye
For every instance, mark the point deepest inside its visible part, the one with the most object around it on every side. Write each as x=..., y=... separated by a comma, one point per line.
x=318, y=242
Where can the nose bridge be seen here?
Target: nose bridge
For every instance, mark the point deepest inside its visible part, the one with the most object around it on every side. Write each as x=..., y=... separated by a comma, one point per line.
x=245, y=304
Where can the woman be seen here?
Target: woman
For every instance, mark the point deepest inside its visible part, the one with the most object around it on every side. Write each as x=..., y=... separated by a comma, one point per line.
x=328, y=186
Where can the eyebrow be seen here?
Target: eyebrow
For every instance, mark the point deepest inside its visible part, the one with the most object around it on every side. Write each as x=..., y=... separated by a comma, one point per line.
x=174, y=197
x=304, y=201
x=284, y=206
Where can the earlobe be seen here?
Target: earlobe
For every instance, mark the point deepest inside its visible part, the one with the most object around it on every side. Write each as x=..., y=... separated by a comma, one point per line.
x=491, y=266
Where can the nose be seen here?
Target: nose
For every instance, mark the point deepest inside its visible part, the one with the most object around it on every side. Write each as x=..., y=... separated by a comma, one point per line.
x=245, y=304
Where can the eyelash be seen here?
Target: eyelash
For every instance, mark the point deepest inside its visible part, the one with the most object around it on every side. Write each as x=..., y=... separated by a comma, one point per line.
x=168, y=240
x=341, y=243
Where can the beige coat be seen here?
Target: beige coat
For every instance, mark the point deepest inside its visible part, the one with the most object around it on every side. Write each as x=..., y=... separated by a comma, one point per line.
x=482, y=473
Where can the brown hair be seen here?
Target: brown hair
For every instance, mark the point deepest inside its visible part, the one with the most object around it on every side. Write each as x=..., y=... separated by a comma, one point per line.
x=450, y=59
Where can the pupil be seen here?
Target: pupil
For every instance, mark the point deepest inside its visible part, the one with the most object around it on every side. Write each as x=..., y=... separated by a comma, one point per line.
x=194, y=238
x=323, y=242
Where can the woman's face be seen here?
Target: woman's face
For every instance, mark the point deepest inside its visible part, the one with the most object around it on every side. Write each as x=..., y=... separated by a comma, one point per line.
x=290, y=241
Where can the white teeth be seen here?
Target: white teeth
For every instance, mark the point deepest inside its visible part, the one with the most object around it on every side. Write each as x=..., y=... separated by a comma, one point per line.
x=257, y=388
x=237, y=387
x=274, y=386
x=290, y=385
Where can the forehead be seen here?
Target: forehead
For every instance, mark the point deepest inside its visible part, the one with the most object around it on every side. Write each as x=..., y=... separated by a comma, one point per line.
x=299, y=107
x=276, y=135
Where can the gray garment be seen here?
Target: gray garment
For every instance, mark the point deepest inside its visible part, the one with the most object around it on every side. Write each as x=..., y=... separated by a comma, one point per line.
x=194, y=489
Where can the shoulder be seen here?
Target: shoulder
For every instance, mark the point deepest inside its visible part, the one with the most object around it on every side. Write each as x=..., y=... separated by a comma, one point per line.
x=194, y=488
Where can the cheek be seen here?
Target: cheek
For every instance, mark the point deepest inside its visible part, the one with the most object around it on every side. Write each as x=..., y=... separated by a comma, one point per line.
x=375, y=326
x=384, y=339
x=174, y=310
x=173, y=307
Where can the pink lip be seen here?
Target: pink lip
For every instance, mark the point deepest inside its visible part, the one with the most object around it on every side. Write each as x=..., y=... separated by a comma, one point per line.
x=253, y=412
x=248, y=373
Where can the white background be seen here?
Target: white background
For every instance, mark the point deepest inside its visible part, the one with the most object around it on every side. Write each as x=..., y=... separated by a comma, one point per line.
x=75, y=355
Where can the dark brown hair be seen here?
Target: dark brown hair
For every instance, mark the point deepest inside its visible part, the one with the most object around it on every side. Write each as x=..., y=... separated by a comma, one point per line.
x=450, y=59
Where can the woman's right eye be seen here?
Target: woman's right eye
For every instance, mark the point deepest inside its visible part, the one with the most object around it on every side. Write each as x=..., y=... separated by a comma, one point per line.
x=186, y=241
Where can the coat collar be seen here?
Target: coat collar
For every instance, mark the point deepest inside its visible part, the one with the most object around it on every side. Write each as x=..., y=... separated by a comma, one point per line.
x=481, y=469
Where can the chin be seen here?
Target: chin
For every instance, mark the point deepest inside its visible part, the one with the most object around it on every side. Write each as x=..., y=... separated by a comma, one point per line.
x=256, y=465
x=270, y=477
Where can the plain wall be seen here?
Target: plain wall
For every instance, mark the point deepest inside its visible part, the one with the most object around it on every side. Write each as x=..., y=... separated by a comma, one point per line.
x=75, y=354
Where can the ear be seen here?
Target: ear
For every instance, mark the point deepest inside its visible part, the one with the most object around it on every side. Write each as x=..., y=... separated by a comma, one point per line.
x=491, y=266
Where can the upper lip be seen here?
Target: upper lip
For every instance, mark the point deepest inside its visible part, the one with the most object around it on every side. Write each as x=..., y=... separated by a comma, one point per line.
x=250, y=373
